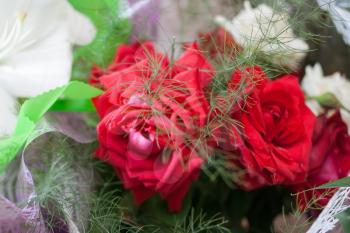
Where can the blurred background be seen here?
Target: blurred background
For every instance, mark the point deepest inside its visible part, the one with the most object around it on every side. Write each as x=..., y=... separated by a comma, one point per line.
x=181, y=20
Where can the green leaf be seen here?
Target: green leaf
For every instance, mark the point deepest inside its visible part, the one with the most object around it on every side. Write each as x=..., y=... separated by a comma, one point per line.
x=111, y=31
x=344, y=218
x=33, y=110
x=344, y=182
x=328, y=100
x=155, y=211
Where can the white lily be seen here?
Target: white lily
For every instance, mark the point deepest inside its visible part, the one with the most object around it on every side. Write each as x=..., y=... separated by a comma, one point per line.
x=263, y=29
x=36, y=42
x=8, y=113
x=36, y=38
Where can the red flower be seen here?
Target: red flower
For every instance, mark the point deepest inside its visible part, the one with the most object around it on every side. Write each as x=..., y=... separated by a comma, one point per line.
x=219, y=43
x=329, y=159
x=125, y=56
x=276, y=129
x=151, y=113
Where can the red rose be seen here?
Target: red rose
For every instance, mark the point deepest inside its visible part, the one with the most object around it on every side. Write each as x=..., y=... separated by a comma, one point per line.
x=225, y=131
x=276, y=129
x=219, y=43
x=194, y=59
x=125, y=56
x=151, y=113
x=329, y=159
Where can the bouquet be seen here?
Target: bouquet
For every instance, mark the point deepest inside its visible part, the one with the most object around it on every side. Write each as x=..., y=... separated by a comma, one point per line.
x=233, y=129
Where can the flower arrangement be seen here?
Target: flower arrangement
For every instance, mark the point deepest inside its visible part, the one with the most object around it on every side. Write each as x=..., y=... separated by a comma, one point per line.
x=234, y=130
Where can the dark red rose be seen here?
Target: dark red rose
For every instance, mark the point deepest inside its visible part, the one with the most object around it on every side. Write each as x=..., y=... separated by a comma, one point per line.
x=150, y=114
x=95, y=74
x=219, y=44
x=276, y=129
x=329, y=159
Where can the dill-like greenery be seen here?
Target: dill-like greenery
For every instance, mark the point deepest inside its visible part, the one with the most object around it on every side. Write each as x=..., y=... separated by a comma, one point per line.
x=200, y=223
x=63, y=175
x=71, y=187
x=107, y=215
x=299, y=219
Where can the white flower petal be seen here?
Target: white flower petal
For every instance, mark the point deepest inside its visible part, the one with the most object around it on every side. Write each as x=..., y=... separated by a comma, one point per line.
x=41, y=16
x=81, y=29
x=40, y=68
x=312, y=82
x=39, y=58
x=263, y=29
x=8, y=113
x=316, y=84
x=44, y=16
x=7, y=8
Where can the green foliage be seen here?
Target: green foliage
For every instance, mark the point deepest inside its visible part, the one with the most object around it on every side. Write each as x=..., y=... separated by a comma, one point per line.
x=344, y=218
x=111, y=31
x=59, y=188
x=328, y=100
x=221, y=167
x=107, y=215
x=344, y=182
x=200, y=223
x=155, y=212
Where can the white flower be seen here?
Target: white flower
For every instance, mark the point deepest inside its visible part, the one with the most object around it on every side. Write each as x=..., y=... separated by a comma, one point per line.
x=36, y=39
x=316, y=84
x=8, y=113
x=262, y=28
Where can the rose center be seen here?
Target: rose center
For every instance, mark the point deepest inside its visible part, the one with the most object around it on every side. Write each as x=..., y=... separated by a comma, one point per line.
x=273, y=118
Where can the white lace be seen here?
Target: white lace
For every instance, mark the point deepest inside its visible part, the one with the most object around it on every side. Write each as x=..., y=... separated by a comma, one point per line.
x=327, y=221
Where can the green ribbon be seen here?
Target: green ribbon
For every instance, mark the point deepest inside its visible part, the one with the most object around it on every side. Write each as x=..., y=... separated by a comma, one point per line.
x=64, y=105
x=34, y=109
